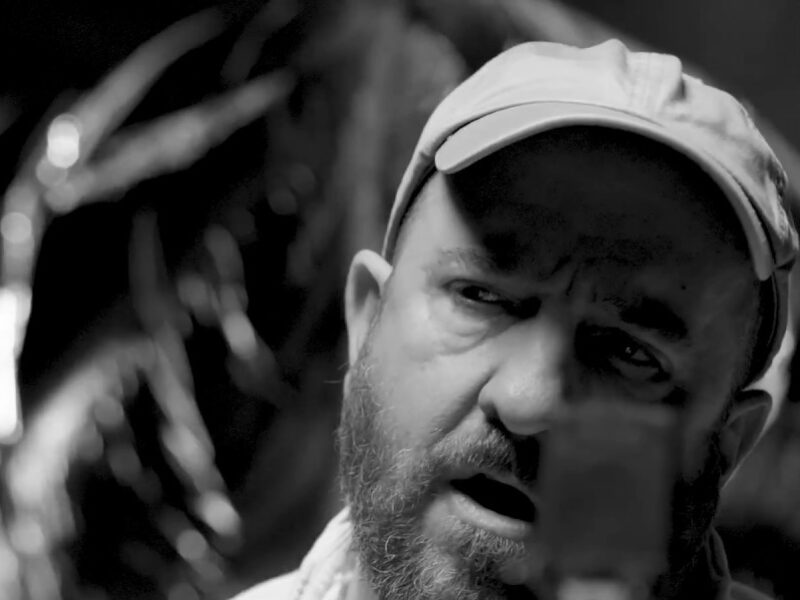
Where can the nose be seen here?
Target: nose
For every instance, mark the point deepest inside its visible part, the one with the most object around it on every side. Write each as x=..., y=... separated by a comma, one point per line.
x=531, y=380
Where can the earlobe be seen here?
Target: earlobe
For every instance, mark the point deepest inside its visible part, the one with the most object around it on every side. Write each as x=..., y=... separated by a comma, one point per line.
x=365, y=284
x=743, y=427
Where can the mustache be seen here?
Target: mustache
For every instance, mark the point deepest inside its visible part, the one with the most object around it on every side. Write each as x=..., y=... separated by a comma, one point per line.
x=492, y=449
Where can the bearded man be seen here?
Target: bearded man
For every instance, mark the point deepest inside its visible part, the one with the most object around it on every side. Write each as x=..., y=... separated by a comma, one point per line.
x=576, y=226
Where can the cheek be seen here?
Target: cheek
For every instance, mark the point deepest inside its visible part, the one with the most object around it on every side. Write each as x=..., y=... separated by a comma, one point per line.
x=429, y=381
x=717, y=367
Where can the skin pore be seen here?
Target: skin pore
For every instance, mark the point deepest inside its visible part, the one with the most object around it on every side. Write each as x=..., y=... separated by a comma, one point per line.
x=579, y=264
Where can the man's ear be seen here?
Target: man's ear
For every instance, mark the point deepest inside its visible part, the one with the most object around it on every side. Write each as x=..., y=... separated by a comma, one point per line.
x=743, y=428
x=365, y=283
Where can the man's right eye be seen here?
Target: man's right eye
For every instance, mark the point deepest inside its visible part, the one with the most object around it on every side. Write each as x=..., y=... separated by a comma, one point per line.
x=480, y=295
x=479, y=299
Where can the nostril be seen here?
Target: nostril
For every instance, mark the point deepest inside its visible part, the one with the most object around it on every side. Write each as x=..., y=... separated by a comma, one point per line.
x=517, y=455
x=517, y=421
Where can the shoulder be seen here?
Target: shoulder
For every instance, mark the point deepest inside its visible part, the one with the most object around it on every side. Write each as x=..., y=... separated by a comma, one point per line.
x=282, y=587
x=322, y=574
x=738, y=591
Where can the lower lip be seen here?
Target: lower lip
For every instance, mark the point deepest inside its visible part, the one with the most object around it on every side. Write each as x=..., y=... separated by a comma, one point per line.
x=478, y=515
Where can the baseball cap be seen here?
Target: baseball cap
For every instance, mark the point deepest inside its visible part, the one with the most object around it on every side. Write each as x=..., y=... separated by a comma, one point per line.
x=541, y=86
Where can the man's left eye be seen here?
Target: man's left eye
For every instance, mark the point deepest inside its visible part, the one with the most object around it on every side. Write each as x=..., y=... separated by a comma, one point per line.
x=635, y=354
x=623, y=354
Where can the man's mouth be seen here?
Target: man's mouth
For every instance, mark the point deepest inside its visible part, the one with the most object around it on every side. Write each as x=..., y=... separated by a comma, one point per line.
x=496, y=496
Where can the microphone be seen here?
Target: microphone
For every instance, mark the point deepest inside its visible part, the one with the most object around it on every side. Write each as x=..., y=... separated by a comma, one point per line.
x=608, y=475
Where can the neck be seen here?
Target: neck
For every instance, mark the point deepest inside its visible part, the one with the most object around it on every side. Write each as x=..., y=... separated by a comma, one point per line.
x=359, y=587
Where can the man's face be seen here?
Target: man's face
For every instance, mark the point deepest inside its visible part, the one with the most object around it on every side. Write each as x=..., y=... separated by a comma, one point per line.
x=556, y=272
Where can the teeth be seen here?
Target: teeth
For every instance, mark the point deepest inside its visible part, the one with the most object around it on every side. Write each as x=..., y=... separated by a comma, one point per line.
x=497, y=496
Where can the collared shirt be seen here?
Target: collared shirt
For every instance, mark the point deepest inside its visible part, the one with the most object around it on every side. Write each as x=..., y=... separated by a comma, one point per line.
x=329, y=570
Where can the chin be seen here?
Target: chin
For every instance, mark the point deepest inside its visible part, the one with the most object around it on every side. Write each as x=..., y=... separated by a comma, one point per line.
x=435, y=557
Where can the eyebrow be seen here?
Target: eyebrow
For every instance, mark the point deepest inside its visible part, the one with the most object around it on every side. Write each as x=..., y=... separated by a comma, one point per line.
x=475, y=257
x=655, y=315
x=645, y=313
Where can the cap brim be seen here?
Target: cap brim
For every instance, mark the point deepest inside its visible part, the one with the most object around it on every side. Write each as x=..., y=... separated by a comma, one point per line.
x=499, y=129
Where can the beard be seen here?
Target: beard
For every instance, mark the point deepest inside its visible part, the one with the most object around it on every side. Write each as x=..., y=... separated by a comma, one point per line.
x=388, y=490
x=694, y=504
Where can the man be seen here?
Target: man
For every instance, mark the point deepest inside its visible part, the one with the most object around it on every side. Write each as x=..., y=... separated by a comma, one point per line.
x=575, y=227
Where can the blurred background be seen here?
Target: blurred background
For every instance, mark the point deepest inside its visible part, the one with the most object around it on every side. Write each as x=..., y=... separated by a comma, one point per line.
x=183, y=185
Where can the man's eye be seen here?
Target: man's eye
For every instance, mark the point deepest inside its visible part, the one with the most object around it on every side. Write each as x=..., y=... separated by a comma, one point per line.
x=477, y=298
x=478, y=294
x=636, y=355
x=622, y=353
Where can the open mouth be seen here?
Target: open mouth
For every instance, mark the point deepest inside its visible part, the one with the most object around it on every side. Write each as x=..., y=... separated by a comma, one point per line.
x=499, y=497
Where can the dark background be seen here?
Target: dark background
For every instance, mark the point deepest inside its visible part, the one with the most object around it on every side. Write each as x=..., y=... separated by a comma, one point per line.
x=272, y=441
x=751, y=45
